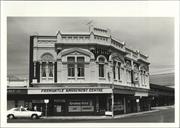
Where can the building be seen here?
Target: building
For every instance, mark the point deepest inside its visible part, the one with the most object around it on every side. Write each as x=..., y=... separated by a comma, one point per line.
x=16, y=92
x=161, y=95
x=89, y=73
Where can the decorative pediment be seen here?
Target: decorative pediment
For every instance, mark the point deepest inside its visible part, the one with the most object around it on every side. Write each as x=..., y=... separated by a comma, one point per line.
x=75, y=51
x=136, y=67
x=144, y=67
x=116, y=56
x=47, y=57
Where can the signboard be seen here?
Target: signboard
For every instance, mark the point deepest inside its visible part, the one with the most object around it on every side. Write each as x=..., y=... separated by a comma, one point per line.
x=69, y=90
x=123, y=91
x=16, y=91
x=141, y=94
x=74, y=108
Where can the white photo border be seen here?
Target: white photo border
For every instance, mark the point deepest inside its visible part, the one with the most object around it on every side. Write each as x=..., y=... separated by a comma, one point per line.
x=86, y=9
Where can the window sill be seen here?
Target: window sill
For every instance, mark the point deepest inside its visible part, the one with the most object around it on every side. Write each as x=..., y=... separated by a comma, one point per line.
x=73, y=78
x=102, y=78
x=120, y=81
x=80, y=78
x=128, y=82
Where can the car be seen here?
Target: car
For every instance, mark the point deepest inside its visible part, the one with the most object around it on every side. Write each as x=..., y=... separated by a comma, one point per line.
x=23, y=113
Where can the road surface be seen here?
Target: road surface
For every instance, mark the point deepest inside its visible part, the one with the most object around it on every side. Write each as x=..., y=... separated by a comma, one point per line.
x=163, y=115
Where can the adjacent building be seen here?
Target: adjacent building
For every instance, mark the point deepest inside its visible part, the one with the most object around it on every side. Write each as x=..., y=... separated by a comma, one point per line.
x=89, y=73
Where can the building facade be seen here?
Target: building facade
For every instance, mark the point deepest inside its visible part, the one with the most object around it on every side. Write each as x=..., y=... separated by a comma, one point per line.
x=89, y=73
x=161, y=95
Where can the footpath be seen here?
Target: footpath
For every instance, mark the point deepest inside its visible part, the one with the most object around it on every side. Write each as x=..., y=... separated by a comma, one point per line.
x=153, y=109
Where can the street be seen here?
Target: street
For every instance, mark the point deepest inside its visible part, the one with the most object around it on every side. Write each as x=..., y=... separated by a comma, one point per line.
x=163, y=115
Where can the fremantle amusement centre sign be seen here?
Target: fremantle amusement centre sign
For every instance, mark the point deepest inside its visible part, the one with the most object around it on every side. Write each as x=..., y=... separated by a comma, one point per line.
x=69, y=90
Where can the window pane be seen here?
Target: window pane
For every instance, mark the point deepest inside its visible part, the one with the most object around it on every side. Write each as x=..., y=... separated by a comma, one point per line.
x=50, y=68
x=80, y=66
x=17, y=109
x=71, y=66
x=101, y=70
x=80, y=69
x=101, y=60
x=71, y=59
x=80, y=59
x=119, y=71
x=22, y=109
x=44, y=69
x=114, y=69
x=71, y=70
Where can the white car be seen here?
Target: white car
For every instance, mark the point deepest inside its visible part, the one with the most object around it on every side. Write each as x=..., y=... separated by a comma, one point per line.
x=23, y=112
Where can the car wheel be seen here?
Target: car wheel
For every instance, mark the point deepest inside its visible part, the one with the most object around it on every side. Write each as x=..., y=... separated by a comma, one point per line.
x=11, y=116
x=34, y=116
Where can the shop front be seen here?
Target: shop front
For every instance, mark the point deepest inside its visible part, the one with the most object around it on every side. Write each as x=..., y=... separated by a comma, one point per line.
x=80, y=101
x=71, y=101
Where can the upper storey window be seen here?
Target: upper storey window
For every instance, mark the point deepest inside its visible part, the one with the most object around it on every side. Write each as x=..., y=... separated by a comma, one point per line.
x=50, y=68
x=116, y=70
x=128, y=72
x=71, y=66
x=75, y=66
x=119, y=71
x=136, y=73
x=47, y=67
x=101, y=66
x=43, y=69
x=80, y=66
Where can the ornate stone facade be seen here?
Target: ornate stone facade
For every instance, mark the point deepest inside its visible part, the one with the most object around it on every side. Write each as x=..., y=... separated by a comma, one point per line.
x=92, y=65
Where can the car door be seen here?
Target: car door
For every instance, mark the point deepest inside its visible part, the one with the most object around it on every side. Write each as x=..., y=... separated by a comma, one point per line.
x=25, y=113
x=17, y=112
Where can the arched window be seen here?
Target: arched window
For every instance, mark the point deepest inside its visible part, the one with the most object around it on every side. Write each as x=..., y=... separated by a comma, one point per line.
x=143, y=72
x=101, y=66
x=43, y=69
x=119, y=71
x=128, y=72
x=114, y=69
x=47, y=66
x=136, y=73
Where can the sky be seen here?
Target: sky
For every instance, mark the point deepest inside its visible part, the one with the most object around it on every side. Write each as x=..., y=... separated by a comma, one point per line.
x=153, y=36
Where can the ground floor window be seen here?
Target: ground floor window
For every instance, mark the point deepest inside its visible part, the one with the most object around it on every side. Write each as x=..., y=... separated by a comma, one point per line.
x=118, y=105
x=80, y=106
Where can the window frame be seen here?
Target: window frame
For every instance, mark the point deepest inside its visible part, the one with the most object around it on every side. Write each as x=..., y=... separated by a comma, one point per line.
x=119, y=71
x=46, y=60
x=76, y=67
x=71, y=67
x=101, y=64
x=81, y=65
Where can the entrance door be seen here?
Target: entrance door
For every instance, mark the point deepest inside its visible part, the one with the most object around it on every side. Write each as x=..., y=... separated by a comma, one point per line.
x=59, y=109
x=39, y=107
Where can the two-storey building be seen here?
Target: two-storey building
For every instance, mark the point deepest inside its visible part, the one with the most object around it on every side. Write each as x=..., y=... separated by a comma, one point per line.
x=89, y=73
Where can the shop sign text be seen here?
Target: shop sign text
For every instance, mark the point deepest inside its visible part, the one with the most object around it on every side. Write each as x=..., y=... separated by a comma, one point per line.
x=69, y=91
